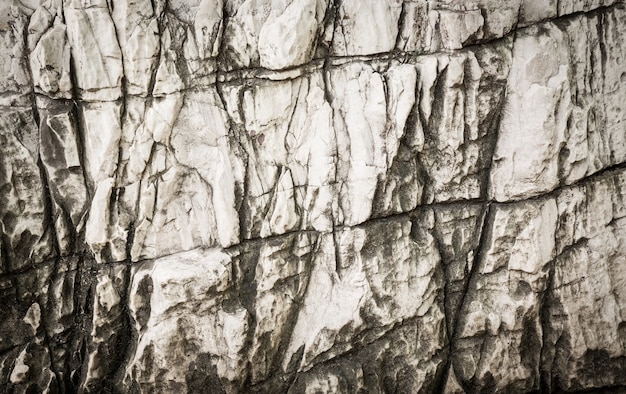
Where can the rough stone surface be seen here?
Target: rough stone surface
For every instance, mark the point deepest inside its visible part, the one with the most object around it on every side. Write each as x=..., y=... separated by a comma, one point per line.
x=312, y=196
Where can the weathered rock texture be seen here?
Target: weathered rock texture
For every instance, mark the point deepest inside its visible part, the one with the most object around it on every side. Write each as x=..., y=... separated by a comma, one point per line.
x=307, y=196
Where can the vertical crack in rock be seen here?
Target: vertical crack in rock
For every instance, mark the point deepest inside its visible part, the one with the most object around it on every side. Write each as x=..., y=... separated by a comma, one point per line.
x=50, y=227
x=458, y=314
x=547, y=354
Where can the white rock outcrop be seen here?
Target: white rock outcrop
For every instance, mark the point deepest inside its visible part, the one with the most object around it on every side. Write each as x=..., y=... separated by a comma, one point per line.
x=303, y=196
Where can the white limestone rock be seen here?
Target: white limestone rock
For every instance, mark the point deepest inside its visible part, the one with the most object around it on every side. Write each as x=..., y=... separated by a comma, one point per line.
x=427, y=26
x=107, y=327
x=96, y=230
x=274, y=34
x=15, y=80
x=159, y=167
x=169, y=220
x=614, y=89
x=536, y=11
x=173, y=330
x=288, y=37
x=36, y=320
x=525, y=161
x=143, y=125
x=500, y=318
x=188, y=186
x=274, y=278
x=61, y=157
x=589, y=148
x=586, y=305
x=208, y=27
x=137, y=29
x=310, y=195
x=101, y=133
x=169, y=78
x=369, y=127
x=95, y=50
x=458, y=230
x=459, y=108
x=207, y=153
x=353, y=272
x=571, y=128
x=294, y=176
x=288, y=155
x=26, y=235
x=572, y=6
x=134, y=151
x=394, y=362
x=366, y=27
x=459, y=27
x=50, y=60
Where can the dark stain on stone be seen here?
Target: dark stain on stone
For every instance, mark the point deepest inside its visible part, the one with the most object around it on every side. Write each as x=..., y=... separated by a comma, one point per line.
x=144, y=290
x=202, y=376
x=296, y=359
x=530, y=347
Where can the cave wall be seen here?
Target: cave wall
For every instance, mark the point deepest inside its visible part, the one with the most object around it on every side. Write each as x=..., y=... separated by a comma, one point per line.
x=312, y=196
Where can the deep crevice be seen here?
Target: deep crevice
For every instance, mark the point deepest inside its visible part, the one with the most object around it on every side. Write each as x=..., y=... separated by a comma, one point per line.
x=483, y=245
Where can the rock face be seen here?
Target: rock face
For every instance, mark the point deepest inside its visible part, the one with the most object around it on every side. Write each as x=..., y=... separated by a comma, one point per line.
x=312, y=196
